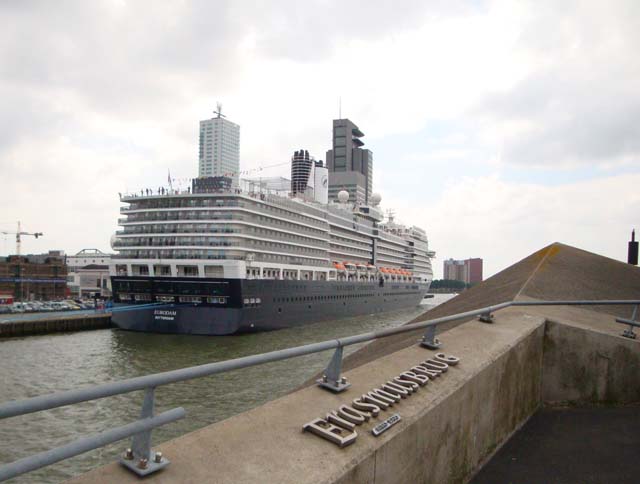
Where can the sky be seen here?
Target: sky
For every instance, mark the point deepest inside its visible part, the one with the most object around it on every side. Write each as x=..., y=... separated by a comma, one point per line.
x=497, y=126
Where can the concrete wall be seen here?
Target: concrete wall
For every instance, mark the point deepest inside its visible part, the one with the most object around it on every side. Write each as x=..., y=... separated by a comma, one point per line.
x=589, y=366
x=448, y=442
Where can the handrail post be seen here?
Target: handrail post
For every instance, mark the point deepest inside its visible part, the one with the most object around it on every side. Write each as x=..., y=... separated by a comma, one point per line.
x=629, y=333
x=331, y=380
x=486, y=317
x=429, y=339
x=137, y=458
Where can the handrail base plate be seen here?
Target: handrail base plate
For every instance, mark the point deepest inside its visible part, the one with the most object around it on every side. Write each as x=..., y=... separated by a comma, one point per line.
x=335, y=387
x=152, y=465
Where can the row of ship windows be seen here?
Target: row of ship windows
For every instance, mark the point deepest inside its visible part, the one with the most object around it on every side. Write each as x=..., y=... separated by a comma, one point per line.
x=214, y=229
x=321, y=298
x=191, y=216
x=213, y=255
x=190, y=242
x=178, y=203
x=337, y=297
x=171, y=299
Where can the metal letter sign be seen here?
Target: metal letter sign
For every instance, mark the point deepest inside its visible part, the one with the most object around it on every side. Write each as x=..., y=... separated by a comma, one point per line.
x=339, y=425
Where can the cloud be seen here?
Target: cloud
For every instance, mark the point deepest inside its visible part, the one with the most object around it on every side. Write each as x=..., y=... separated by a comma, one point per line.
x=579, y=102
x=105, y=96
x=503, y=222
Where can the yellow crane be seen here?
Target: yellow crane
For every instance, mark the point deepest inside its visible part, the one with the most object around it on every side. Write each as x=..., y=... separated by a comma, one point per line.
x=19, y=234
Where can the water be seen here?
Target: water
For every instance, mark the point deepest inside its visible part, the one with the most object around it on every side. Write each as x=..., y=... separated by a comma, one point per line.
x=38, y=365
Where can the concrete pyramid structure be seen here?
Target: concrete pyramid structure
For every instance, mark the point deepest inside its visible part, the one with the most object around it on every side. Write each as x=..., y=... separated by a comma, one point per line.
x=556, y=272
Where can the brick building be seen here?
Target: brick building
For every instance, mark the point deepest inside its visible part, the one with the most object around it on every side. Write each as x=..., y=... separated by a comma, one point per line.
x=468, y=271
x=42, y=277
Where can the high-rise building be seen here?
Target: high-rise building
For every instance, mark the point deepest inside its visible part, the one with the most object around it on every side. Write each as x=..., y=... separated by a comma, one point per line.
x=350, y=166
x=219, y=148
x=468, y=271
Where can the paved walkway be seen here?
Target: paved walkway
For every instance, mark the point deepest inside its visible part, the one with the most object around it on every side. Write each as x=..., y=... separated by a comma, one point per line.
x=570, y=446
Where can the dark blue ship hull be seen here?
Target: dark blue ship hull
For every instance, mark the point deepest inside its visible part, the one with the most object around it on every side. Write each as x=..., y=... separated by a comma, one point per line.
x=230, y=306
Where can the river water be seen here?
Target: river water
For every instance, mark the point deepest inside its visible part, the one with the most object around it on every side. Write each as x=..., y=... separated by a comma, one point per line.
x=37, y=365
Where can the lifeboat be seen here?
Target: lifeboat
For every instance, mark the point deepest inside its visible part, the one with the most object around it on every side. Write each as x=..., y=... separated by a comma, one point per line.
x=350, y=266
x=371, y=267
x=361, y=267
x=339, y=266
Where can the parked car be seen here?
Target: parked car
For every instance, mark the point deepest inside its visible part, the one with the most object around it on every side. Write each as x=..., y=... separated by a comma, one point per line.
x=17, y=308
x=5, y=309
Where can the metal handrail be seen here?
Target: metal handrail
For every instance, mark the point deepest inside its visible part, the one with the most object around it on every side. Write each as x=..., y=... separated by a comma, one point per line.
x=331, y=380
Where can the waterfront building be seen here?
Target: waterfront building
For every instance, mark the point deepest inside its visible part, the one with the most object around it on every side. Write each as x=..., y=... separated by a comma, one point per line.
x=89, y=281
x=468, y=271
x=219, y=148
x=88, y=273
x=34, y=276
x=350, y=165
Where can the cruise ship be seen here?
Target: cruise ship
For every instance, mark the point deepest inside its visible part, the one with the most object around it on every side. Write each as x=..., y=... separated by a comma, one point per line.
x=219, y=258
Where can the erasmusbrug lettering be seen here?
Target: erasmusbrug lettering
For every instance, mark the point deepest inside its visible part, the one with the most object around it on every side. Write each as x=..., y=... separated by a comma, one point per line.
x=339, y=426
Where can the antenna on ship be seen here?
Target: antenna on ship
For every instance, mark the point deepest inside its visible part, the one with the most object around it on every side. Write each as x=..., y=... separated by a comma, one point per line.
x=218, y=110
x=391, y=214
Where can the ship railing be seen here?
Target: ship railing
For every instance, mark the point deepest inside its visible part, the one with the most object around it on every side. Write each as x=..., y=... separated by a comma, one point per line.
x=142, y=460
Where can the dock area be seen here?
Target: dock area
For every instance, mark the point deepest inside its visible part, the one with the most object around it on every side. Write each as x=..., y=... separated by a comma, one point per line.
x=31, y=324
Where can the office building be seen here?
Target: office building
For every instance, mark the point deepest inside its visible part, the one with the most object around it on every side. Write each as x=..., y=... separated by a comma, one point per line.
x=350, y=165
x=219, y=148
x=468, y=271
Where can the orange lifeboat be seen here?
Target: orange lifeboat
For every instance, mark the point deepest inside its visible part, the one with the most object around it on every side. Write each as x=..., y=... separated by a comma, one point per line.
x=349, y=265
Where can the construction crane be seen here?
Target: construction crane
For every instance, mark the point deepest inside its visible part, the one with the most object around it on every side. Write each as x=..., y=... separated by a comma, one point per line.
x=19, y=234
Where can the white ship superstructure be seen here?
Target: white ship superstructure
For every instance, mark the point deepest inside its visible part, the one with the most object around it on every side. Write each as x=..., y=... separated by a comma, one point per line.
x=261, y=234
x=223, y=257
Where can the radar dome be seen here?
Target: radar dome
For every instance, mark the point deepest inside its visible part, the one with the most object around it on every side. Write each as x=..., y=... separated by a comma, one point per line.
x=375, y=199
x=343, y=196
x=112, y=241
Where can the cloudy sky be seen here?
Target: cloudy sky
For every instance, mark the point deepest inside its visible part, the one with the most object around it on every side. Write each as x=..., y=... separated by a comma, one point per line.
x=498, y=126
